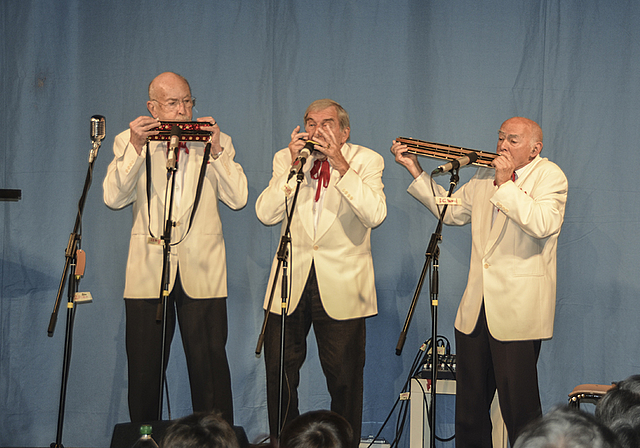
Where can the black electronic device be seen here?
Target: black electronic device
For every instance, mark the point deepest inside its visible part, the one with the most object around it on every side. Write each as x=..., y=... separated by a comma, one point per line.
x=446, y=367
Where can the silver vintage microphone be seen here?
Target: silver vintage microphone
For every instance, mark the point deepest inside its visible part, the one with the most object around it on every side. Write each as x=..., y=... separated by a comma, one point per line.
x=98, y=131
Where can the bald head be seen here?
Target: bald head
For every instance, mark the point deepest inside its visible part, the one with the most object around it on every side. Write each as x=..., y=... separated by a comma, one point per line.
x=164, y=81
x=170, y=98
x=533, y=128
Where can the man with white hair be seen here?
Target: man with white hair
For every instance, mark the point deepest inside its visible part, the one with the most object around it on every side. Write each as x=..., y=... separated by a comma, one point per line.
x=516, y=211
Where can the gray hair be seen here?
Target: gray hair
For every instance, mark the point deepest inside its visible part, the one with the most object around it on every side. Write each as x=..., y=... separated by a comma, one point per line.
x=565, y=427
x=343, y=115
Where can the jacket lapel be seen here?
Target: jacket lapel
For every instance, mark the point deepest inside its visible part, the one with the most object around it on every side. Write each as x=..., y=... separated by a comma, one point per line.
x=159, y=178
x=332, y=197
x=190, y=182
x=330, y=206
x=501, y=219
x=492, y=231
x=158, y=154
x=305, y=203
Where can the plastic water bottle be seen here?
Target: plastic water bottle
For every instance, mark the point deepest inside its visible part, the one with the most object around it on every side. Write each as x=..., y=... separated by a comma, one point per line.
x=145, y=440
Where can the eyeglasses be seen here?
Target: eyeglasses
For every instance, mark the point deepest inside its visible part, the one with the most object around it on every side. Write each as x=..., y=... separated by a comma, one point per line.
x=174, y=104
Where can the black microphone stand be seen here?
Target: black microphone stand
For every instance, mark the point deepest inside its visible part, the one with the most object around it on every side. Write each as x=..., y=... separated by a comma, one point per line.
x=432, y=256
x=161, y=315
x=282, y=254
x=163, y=304
x=71, y=254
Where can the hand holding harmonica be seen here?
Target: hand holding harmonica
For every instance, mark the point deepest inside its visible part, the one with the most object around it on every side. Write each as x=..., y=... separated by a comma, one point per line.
x=141, y=129
x=209, y=124
x=406, y=158
x=298, y=141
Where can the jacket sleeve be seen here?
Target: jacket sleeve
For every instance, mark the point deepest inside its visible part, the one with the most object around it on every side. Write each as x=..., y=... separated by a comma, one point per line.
x=537, y=208
x=232, y=182
x=272, y=202
x=119, y=185
x=362, y=188
x=425, y=189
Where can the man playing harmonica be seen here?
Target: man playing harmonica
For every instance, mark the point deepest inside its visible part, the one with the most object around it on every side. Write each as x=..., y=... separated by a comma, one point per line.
x=198, y=273
x=341, y=199
x=516, y=212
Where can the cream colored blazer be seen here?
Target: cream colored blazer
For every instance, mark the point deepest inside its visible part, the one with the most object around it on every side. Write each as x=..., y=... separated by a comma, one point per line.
x=200, y=253
x=341, y=247
x=513, y=261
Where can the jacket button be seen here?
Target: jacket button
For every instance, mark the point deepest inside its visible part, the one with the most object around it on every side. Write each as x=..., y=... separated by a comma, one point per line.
x=486, y=265
x=315, y=247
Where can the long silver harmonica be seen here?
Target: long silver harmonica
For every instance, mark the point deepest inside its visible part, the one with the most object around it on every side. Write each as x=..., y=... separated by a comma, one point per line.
x=191, y=131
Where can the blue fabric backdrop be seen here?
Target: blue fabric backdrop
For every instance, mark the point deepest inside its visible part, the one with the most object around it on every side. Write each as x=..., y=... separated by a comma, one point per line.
x=444, y=71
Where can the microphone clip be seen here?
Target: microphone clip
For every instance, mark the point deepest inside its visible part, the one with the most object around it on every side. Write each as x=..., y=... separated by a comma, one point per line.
x=94, y=151
x=174, y=145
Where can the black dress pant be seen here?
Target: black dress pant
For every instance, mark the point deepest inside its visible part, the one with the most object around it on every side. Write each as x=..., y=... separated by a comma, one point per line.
x=341, y=349
x=485, y=364
x=203, y=327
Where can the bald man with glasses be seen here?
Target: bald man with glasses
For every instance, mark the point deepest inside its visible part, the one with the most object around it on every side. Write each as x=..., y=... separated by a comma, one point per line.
x=197, y=286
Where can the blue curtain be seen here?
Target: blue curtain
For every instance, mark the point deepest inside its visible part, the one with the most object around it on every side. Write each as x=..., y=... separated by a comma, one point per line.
x=443, y=71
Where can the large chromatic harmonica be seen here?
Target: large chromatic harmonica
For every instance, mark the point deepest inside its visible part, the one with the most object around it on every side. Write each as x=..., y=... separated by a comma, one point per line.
x=445, y=152
x=191, y=131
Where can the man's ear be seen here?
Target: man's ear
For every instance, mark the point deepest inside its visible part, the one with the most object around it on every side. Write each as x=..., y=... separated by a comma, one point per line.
x=151, y=107
x=346, y=133
x=536, y=150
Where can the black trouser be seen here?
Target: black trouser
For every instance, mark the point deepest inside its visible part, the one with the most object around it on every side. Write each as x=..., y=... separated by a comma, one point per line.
x=203, y=327
x=485, y=364
x=341, y=349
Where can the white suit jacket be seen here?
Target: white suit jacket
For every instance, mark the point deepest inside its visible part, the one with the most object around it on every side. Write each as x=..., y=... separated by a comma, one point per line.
x=201, y=254
x=513, y=262
x=341, y=249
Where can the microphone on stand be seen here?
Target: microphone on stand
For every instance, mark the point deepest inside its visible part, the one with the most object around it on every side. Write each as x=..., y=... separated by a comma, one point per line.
x=303, y=155
x=467, y=159
x=98, y=131
x=174, y=144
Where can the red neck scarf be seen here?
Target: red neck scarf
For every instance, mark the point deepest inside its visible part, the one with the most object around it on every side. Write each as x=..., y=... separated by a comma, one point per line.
x=321, y=172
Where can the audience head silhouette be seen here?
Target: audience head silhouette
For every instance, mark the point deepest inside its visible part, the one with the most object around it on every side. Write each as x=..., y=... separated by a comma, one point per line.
x=200, y=430
x=317, y=429
x=566, y=427
x=619, y=410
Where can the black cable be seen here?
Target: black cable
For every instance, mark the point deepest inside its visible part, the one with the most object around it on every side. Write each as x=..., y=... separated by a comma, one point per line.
x=401, y=421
